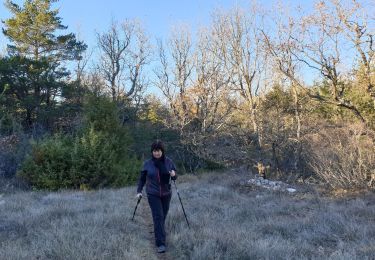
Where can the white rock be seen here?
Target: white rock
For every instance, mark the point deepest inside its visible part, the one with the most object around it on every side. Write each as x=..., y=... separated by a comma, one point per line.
x=271, y=185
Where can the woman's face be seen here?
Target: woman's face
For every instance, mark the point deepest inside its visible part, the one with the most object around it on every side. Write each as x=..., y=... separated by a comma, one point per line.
x=157, y=153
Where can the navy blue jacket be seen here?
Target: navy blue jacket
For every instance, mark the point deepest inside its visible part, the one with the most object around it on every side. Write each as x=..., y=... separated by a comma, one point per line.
x=156, y=183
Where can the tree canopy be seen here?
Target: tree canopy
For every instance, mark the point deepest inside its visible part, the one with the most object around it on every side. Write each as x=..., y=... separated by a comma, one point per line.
x=33, y=70
x=33, y=32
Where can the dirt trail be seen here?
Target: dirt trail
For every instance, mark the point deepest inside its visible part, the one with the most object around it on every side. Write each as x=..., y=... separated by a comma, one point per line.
x=144, y=218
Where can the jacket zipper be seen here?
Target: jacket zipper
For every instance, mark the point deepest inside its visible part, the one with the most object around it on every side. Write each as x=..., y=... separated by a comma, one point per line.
x=159, y=182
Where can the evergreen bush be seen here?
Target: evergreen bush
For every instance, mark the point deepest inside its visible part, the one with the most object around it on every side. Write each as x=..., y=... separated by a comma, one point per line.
x=99, y=156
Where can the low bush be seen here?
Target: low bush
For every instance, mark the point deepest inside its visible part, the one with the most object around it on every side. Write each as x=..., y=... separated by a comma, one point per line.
x=99, y=156
x=92, y=161
x=344, y=158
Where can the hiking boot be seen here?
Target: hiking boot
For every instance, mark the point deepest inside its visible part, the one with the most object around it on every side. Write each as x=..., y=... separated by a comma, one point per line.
x=161, y=249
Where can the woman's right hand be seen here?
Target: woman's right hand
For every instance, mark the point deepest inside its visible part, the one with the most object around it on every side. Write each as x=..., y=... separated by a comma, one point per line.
x=138, y=196
x=173, y=175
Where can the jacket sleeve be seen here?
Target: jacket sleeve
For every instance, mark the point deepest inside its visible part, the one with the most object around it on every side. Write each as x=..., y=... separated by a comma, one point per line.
x=142, y=180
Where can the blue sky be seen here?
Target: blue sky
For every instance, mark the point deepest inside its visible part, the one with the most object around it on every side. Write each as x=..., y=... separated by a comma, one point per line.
x=157, y=16
x=86, y=17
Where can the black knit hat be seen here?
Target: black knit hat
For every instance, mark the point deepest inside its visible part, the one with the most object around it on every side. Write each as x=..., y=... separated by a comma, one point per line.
x=158, y=145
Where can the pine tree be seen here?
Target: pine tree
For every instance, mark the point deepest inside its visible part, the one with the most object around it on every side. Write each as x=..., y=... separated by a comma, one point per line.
x=32, y=31
x=38, y=51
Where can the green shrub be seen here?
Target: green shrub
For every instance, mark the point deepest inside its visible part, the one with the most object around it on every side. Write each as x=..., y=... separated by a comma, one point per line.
x=92, y=161
x=99, y=156
x=101, y=160
x=48, y=166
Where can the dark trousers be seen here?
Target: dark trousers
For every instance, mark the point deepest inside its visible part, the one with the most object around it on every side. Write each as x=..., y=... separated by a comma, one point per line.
x=159, y=209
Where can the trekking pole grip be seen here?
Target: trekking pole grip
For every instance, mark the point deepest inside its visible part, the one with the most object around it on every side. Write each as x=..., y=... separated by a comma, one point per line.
x=136, y=206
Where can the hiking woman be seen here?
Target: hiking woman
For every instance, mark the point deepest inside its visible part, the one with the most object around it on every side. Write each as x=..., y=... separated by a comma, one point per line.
x=157, y=173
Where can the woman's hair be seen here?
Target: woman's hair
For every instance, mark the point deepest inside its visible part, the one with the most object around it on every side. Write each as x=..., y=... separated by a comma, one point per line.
x=158, y=145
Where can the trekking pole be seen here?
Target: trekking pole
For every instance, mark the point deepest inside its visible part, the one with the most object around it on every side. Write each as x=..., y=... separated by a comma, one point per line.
x=181, y=203
x=139, y=200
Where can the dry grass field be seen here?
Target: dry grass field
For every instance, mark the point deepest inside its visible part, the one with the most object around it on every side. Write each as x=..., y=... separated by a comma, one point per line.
x=228, y=221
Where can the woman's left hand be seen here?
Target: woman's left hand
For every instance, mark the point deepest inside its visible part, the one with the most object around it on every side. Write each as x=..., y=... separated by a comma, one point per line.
x=172, y=173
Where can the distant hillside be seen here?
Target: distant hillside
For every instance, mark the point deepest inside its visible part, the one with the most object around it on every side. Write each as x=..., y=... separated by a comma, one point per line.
x=228, y=221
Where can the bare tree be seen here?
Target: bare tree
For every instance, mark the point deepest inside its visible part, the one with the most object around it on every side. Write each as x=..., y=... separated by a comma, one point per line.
x=318, y=43
x=244, y=60
x=357, y=27
x=113, y=54
x=175, y=75
x=211, y=89
x=281, y=48
x=124, y=52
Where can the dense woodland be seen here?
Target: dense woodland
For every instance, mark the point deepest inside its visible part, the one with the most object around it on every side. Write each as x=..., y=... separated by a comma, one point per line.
x=288, y=94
